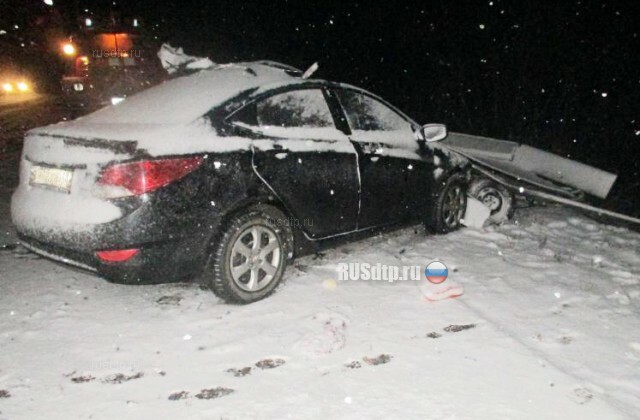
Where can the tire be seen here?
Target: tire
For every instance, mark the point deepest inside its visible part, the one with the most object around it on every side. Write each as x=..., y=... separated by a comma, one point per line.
x=238, y=270
x=448, y=205
x=495, y=196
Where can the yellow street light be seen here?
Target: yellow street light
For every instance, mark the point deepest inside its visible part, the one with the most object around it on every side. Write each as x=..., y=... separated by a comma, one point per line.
x=22, y=86
x=7, y=87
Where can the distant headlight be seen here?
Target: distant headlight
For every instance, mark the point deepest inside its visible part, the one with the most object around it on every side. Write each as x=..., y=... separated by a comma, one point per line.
x=22, y=86
x=7, y=87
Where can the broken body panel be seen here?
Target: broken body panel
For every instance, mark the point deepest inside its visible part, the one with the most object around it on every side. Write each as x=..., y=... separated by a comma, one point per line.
x=541, y=169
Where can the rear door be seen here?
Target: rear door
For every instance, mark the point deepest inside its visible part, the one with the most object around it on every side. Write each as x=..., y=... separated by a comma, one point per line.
x=395, y=171
x=305, y=160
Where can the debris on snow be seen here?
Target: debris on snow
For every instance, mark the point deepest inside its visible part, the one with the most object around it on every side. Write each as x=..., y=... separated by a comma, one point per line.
x=312, y=69
x=174, y=59
x=476, y=215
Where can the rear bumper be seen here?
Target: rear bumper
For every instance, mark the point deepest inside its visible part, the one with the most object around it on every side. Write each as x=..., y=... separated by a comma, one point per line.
x=172, y=246
x=155, y=263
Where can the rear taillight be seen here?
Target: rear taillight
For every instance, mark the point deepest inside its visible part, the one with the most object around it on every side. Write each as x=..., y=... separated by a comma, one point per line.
x=143, y=176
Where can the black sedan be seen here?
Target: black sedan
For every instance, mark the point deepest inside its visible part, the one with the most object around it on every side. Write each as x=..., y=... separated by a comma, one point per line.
x=218, y=173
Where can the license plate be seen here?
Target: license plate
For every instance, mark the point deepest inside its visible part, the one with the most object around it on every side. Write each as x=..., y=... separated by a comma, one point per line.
x=57, y=178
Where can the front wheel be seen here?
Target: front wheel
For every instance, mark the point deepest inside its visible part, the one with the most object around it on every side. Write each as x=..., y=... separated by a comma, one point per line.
x=448, y=205
x=250, y=255
x=494, y=196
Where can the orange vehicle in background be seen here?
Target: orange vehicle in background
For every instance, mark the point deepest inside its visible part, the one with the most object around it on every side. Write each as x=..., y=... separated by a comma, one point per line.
x=107, y=63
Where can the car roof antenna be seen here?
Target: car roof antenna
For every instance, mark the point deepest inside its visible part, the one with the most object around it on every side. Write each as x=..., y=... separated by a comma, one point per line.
x=309, y=72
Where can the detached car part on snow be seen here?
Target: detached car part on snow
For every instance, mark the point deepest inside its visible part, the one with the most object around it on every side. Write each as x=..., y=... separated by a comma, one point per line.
x=502, y=169
x=219, y=172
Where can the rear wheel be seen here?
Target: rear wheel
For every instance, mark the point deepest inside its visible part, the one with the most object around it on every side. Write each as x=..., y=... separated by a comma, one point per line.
x=495, y=196
x=448, y=206
x=250, y=256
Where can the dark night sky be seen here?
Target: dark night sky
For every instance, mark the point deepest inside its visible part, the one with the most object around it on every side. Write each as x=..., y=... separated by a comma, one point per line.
x=561, y=75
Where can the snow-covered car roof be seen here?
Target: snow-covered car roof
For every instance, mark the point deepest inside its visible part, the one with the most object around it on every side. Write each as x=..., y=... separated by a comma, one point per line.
x=184, y=99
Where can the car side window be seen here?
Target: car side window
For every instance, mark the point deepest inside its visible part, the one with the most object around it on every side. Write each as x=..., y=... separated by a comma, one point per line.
x=370, y=119
x=298, y=114
x=300, y=108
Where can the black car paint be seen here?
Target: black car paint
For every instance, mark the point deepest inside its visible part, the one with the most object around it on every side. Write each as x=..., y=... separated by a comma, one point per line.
x=175, y=225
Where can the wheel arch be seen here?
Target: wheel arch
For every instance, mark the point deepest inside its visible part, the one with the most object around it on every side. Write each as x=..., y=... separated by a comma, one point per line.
x=244, y=205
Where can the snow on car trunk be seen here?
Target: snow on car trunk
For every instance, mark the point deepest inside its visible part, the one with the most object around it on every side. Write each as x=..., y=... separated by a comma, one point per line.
x=57, y=183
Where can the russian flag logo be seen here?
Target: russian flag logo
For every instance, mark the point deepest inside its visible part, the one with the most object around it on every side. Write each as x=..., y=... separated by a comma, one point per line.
x=436, y=272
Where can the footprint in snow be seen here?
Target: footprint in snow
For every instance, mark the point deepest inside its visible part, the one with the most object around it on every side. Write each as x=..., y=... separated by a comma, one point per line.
x=581, y=396
x=270, y=363
x=566, y=339
x=262, y=364
x=169, y=300
x=180, y=395
x=371, y=361
x=205, y=394
x=213, y=393
x=238, y=373
x=120, y=378
x=82, y=379
x=450, y=329
x=353, y=365
x=457, y=328
x=4, y=393
x=327, y=336
x=378, y=360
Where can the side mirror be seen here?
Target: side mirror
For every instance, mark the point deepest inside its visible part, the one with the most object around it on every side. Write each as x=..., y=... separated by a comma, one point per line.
x=434, y=132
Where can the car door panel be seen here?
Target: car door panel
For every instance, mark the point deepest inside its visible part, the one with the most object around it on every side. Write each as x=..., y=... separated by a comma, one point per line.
x=394, y=168
x=308, y=163
x=316, y=179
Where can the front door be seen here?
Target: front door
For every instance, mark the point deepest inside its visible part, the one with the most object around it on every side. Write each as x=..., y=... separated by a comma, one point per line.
x=395, y=172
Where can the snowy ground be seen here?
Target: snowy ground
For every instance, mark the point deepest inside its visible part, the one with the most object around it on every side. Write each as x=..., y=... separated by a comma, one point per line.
x=552, y=306
x=548, y=328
